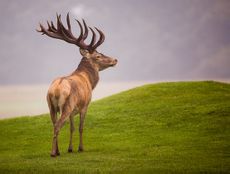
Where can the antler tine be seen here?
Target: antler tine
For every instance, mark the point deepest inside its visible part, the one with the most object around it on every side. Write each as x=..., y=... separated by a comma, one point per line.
x=50, y=27
x=69, y=26
x=101, y=39
x=81, y=31
x=86, y=30
x=68, y=21
x=53, y=27
x=93, y=38
x=39, y=29
x=58, y=27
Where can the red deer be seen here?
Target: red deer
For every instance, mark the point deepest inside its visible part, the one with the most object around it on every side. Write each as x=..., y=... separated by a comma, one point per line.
x=70, y=95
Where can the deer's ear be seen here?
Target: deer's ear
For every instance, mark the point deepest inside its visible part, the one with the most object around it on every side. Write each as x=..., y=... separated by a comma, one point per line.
x=84, y=53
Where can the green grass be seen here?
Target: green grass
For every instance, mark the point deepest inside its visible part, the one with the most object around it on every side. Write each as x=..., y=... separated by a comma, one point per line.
x=181, y=127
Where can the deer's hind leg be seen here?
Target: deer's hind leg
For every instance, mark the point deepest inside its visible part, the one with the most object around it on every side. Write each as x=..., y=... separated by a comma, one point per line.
x=57, y=128
x=66, y=112
x=54, y=120
x=53, y=116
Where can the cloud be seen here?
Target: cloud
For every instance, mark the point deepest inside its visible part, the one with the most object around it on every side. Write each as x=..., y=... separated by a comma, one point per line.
x=216, y=66
x=81, y=11
x=179, y=39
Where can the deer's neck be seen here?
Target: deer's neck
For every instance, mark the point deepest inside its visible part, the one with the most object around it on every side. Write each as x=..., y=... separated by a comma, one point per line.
x=90, y=70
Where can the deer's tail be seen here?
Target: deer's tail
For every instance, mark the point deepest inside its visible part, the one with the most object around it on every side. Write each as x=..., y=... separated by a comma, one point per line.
x=52, y=108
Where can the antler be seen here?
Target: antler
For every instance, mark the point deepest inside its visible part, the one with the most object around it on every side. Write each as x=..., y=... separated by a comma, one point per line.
x=60, y=32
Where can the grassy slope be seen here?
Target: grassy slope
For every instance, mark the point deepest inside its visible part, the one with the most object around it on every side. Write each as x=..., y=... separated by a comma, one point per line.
x=166, y=127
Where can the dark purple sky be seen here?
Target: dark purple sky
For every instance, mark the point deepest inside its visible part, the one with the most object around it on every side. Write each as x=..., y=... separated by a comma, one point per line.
x=152, y=39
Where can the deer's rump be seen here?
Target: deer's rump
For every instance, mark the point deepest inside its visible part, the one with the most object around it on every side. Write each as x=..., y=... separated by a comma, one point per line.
x=58, y=93
x=66, y=90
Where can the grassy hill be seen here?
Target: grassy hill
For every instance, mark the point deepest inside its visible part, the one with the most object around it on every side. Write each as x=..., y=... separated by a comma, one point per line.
x=158, y=128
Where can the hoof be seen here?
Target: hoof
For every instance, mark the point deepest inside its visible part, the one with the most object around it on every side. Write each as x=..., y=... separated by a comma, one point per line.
x=53, y=155
x=80, y=149
x=70, y=150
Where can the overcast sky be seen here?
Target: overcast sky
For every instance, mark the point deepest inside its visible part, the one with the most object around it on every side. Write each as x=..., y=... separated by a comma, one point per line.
x=152, y=39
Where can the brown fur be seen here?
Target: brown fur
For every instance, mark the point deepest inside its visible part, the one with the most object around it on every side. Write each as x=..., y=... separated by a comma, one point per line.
x=72, y=94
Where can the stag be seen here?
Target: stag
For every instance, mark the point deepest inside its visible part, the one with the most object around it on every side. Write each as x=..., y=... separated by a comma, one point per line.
x=70, y=95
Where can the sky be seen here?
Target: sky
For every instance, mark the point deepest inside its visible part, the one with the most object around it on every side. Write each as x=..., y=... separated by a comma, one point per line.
x=153, y=40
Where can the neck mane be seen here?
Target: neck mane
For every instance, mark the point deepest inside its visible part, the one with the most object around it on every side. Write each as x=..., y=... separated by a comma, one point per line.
x=90, y=70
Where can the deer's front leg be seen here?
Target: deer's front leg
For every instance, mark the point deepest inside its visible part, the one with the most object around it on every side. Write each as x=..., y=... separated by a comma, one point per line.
x=70, y=149
x=81, y=124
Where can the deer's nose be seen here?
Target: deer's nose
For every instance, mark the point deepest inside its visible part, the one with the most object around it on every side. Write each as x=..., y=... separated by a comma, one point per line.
x=113, y=62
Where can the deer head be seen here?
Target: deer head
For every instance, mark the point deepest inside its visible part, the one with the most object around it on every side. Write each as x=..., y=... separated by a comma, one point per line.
x=87, y=50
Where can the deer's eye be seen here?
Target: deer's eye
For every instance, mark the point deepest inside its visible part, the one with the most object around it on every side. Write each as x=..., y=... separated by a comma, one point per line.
x=98, y=56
